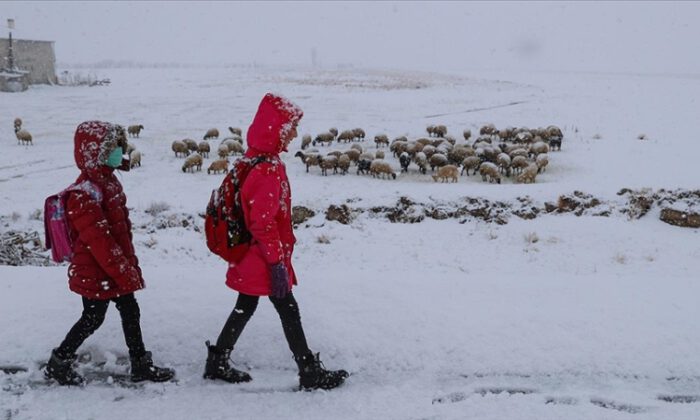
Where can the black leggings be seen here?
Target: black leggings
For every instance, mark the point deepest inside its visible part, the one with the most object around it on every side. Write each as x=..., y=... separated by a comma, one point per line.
x=94, y=314
x=288, y=310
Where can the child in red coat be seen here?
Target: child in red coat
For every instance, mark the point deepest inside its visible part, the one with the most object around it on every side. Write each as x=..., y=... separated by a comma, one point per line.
x=266, y=267
x=104, y=266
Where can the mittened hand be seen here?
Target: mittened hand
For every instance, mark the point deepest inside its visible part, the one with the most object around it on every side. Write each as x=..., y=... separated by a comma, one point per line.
x=279, y=280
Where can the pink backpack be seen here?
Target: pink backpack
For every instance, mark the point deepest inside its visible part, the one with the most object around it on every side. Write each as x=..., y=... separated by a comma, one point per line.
x=56, y=228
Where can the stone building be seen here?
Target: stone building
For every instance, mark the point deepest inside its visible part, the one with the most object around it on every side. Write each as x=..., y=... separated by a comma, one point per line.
x=36, y=57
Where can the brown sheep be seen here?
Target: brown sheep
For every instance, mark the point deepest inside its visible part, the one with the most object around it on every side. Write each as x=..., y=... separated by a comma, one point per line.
x=381, y=139
x=18, y=123
x=212, y=133
x=180, y=147
x=346, y=136
x=308, y=159
x=379, y=167
x=191, y=144
x=192, y=163
x=519, y=163
x=222, y=151
x=218, y=165
x=542, y=160
x=437, y=160
x=203, y=148
x=528, y=175
x=359, y=134
x=236, y=131
x=447, y=172
x=23, y=136
x=305, y=141
x=324, y=138
x=470, y=162
x=344, y=163
x=328, y=162
x=134, y=130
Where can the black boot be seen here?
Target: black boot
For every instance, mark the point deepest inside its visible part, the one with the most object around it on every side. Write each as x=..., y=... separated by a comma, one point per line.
x=61, y=370
x=217, y=366
x=313, y=375
x=142, y=369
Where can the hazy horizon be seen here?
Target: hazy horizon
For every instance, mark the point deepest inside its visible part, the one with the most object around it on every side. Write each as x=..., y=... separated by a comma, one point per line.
x=435, y=36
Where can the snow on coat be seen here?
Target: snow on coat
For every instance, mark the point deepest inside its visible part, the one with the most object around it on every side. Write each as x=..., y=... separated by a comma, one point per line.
x=104, y=264
x=266, y=200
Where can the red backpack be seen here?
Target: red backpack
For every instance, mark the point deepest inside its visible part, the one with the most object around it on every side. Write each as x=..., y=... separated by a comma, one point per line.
x=224, y=225
x=56, y=229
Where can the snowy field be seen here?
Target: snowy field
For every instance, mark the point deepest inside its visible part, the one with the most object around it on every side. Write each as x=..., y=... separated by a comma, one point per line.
x=561, y=316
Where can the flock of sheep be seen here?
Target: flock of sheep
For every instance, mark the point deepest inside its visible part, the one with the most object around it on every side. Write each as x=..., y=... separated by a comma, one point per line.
x=194, y=152
x=521, y=153
x=518, y=153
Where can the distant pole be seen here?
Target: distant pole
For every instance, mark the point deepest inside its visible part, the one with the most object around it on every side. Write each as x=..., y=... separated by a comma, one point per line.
x=10, y=58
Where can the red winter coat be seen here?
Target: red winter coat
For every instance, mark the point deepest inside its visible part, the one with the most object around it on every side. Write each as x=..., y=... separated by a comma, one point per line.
x=266, y=200
x=103, y=265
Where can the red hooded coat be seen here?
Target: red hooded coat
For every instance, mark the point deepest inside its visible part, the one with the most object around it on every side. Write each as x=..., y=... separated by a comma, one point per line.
x=266, y=200
x=104, y=265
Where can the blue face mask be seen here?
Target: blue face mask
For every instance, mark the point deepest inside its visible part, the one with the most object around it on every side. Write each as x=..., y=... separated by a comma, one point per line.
x=115, y=158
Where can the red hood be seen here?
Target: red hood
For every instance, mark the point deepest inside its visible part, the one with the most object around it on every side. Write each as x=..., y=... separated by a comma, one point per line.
x=275, y=114
x=93, y=142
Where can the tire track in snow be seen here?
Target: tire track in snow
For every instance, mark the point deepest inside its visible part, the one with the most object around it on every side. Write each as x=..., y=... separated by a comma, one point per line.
x=477, y=109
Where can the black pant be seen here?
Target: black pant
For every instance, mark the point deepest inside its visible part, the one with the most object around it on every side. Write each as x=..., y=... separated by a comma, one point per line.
x=94, y=314
x=288, y=310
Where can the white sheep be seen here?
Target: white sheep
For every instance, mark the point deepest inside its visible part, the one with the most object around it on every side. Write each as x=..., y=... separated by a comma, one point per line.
x=422, y=161
x=344, y=163
x=234, y=147
x=519, y=163
x=538, y=148
x=447, y=172
x=192, y=163
x=328, y=162
x=489, y=171
x=134, y=159
x=437, y=160
x=503, y=161
x=542, y=160
x=379, y=167
x=528, y=175
x=222, y=151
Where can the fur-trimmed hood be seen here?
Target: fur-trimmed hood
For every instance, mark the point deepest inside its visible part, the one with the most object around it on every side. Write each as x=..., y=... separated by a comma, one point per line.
x=275, y=115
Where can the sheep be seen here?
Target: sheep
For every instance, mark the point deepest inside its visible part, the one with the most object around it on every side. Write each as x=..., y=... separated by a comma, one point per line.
x=379, y=154
x=203, y=148
x=467, y=134
x=488, y=129
x=459, y=153
x=234, y=137
x=430, y=129
x=234, y=147
x=542, y=160
x=191, y=144
x=429, y=150
x=422, y=161
x=447, y=172
x=523, y=137
x=380, y=167
x=412, y=148
x=308, y=159
x=180, y=147
x=23, y=136
x=488, y=154
x=324, y=138
x=129, y=148
x=333, y=131
x=555, y=136
x=212, y=133
x=424, y=141
x=400, y=138
x=357, y=147
x=503, y=161
x=193, y=161
x=437, y=160
x=353, y=154
x=18, y=123
x=236, y=131
x=538, y=148
x=346, y=136
x=218, y=165
x=470, y=162
x=335, y=153
x=397, y=147
x=528, y=175
x=222, y=151
x=440, y=131
x=518, y=152
x=450, y=139
x=519, y=163
x=363, y=166
x=134, y=159
x=489, y=171
x=380, y=139
x=305, y=141
x=359, y=134
x=404, y=161
x=328, y=162
x=344, y=163
x=134, y=130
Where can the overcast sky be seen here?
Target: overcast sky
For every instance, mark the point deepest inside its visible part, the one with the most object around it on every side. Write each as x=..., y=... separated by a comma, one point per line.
x=602, y=36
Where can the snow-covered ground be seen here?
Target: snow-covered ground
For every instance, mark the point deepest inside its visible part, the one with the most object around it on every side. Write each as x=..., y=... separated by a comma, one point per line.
x=561, y=316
